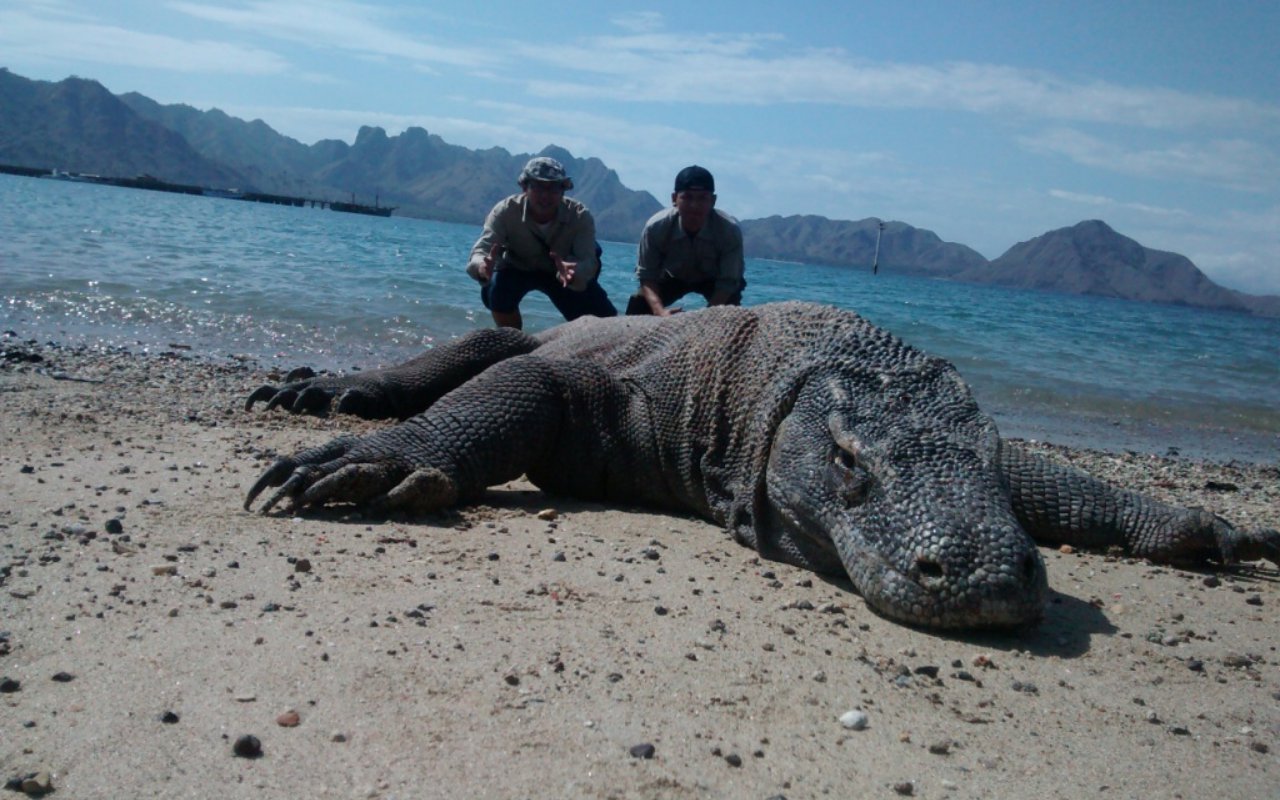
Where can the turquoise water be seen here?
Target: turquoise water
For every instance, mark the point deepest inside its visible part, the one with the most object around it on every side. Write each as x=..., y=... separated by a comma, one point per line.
x=81, y=263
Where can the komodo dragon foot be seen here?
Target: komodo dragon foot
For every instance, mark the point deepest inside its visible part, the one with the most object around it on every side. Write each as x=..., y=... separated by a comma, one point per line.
x=346, y=470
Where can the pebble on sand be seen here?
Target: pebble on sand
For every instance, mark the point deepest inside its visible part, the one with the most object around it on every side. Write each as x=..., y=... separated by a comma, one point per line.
x=645, y=750
x=854, y=720
x=247, y=746
x=37, y=784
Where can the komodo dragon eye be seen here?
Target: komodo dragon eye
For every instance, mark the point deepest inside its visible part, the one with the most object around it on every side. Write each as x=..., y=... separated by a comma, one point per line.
x=851, y=480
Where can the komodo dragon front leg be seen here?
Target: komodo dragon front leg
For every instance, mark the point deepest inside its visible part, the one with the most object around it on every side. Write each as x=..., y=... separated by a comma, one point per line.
x=401, y=390
x=525, y=415
x=1057, y=504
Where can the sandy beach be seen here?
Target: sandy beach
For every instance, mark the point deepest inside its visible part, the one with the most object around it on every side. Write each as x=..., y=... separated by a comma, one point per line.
x=537, y=647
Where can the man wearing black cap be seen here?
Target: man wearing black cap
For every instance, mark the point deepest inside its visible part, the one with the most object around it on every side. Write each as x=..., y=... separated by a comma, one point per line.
x=690, y=247
x=539, y=239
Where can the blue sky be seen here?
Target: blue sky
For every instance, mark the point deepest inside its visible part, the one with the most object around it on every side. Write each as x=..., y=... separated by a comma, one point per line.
x=987, y=123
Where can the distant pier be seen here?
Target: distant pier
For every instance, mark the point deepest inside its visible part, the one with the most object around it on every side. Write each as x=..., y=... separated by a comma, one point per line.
x=155, y=184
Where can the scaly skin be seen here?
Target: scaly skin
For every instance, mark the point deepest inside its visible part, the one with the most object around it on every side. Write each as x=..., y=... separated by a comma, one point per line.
x=811, y=435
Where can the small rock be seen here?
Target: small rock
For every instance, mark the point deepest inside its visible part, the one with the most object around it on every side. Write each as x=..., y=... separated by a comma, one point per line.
x=1212, y=581
x=905, y=788
x=302, y=565
x=511, y=679
x=1259, y=747
x=548, y=514
x=645, y=750
x=942, y=748
x=289, y=719
x=1254, y=600
x=114, y=525
x=63, y=677
x=247, y=746
x=854, y=720
x=164, y=569
x=37, y=784
x=169, y=718
x=9, y=685
x=338, y=737
x=733, y=760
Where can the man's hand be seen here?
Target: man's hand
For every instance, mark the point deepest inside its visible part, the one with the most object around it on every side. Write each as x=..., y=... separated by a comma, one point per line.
x=565, y=270
x=486, y=269
x=653, y=297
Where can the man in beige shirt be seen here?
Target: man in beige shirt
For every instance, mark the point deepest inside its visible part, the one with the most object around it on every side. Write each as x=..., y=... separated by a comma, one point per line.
x=539, y=239
x=691, y=247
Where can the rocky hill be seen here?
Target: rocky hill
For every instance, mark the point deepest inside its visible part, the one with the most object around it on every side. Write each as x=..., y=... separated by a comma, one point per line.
x=1091, y=258
x=78, y=126
x=903, y=248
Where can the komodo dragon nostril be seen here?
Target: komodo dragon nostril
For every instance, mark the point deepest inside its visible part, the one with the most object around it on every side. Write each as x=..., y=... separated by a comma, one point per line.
x=1030, y=567
x=930, y=570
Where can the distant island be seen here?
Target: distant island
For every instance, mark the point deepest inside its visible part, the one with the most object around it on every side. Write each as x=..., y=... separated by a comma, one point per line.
x=76, y=125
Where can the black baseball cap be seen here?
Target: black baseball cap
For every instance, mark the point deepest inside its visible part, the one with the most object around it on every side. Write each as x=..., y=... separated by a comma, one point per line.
x=695, y=177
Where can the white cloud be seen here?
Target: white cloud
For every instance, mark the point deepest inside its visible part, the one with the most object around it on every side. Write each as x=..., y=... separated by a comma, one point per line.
x=640, y=21
x=46, y=40
x=1102, y=201
x=751, y=69
x=646, y=64
x=326, y=24
x=1234, y=163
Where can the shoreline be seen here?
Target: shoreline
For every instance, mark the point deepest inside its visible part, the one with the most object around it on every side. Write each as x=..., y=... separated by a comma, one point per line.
x=495, y=650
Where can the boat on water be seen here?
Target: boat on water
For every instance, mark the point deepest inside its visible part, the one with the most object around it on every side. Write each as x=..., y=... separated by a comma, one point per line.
x=353, y=207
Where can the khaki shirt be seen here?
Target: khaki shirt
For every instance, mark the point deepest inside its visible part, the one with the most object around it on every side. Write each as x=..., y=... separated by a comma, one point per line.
x=571, y=235
x=715, y=252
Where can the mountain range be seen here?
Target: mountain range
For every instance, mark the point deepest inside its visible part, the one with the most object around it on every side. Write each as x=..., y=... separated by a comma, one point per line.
x=77, y=125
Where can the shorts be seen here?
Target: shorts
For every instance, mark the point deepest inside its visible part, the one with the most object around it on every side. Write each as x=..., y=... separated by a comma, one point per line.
x=507, y=288
x=672, y=290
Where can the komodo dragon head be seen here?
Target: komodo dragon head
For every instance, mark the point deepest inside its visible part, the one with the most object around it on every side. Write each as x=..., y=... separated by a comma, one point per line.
x=893, y=470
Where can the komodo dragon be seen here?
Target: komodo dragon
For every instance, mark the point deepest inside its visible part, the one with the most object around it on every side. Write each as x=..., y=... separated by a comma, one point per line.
x=811, y=435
